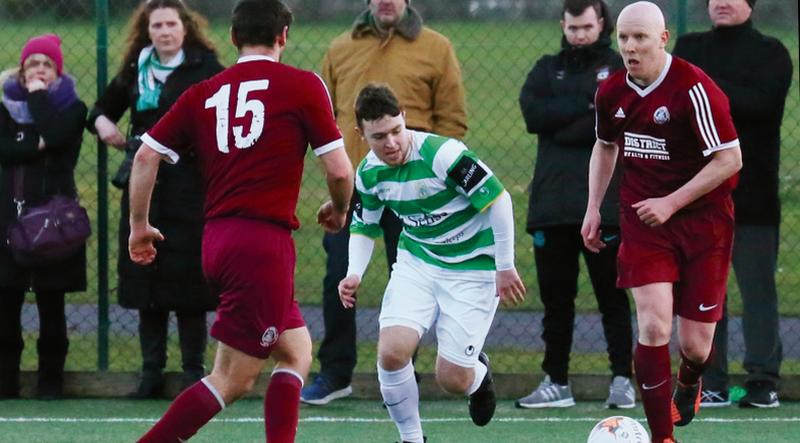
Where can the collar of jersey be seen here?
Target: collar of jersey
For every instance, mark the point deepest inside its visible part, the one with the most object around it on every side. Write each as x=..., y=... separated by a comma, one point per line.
x=652, y=86
x=254, y=58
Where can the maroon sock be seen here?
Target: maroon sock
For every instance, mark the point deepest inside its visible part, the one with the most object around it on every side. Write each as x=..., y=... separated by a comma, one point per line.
x=282, y=406
x=689, y=372
x=654, y=377
x=188, y=413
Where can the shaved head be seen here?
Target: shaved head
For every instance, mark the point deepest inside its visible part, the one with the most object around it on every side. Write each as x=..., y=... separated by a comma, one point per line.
x=646, y=14
x=642, y=38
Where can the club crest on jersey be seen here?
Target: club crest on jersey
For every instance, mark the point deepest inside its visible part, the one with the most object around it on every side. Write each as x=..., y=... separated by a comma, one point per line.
x=602, y=73
x=269, y=337
x=661, y=115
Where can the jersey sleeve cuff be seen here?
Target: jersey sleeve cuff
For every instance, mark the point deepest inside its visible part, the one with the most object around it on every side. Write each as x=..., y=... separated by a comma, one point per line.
x=161, y=149
x=326, y=148
x=729, y=145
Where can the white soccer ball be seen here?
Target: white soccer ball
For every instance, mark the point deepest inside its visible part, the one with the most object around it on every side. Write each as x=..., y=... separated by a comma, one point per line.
x=618, y=429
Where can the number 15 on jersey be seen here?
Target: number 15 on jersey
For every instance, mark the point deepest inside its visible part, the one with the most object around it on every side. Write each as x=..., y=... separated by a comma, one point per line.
x=221, y=102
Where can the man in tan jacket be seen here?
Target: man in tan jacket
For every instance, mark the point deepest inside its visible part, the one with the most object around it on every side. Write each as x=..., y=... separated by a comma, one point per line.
x=387, y=44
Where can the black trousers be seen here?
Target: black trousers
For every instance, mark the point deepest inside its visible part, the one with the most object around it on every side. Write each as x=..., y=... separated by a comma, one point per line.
x=557, y=250
x=192, y=334
x=755, y=261
x=337, y=352
x=51, y=346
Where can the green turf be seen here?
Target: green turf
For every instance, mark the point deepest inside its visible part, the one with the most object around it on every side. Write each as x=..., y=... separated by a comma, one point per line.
x=362, y=421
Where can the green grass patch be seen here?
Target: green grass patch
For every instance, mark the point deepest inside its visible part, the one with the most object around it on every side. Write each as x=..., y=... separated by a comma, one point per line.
x=364, y=420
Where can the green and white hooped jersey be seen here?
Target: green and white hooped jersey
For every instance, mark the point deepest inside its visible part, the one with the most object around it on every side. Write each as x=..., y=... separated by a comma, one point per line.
x=440, y=194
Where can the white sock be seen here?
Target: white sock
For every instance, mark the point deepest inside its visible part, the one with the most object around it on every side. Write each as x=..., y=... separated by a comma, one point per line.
x=480, y=373
x=401, y=396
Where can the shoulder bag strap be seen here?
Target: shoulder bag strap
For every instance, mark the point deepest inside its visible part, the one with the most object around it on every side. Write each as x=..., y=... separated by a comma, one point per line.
x=19, y=193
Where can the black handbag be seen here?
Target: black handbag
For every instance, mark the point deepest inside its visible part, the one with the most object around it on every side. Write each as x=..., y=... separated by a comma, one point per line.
x=47, y=233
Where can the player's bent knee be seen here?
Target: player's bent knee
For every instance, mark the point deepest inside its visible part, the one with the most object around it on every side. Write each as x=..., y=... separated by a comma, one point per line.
x=230, y=387
x=454, y=384
x=453, y=378
x=696, y=351
x=393, y=359
x=655, y=333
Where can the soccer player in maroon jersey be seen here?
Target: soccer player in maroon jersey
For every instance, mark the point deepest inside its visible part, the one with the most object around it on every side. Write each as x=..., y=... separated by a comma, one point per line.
x=249, y=127
x=670, y=127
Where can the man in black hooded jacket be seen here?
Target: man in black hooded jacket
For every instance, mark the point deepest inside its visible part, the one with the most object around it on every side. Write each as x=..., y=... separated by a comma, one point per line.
x=755, y=72
x=557, y=103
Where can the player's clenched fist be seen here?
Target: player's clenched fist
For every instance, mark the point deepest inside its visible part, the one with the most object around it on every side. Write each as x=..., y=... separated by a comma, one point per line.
x=330, y=218
x=347, y=290
x=141, y=245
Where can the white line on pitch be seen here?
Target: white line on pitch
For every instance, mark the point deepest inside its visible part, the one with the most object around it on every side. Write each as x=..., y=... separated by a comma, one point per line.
x=376, y=420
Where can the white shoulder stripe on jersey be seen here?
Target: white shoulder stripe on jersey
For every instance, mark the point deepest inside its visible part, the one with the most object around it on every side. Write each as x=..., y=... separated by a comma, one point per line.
x=704, y=117
x=710, y=114
x=161, y=149
x=722, y=147
x=326, y=148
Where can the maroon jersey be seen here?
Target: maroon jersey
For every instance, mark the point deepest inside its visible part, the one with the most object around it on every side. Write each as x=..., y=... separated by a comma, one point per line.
x=666, y=132
x=250, y=126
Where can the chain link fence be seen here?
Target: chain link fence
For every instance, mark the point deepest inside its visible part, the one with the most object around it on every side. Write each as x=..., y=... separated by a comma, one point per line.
x=497, y=42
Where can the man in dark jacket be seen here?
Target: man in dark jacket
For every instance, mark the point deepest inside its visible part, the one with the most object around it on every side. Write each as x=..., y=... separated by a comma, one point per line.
x=755, y=72
x=557, y=103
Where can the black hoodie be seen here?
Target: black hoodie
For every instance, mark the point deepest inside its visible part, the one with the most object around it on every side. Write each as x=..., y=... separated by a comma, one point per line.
x=755, y=72
x=557, y=102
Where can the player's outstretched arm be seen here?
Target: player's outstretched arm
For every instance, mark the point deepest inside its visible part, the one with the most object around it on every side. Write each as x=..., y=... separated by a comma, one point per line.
x=509, y=286
x=332, y=215
x=359, y=251
x=601, y=169
x=143, y=178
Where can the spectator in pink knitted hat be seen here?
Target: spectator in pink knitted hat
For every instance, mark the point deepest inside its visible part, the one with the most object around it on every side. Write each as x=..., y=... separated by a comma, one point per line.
x=41, y=124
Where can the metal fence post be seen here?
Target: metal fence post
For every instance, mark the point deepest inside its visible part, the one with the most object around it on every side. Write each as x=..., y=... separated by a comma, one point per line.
x=102, y=195
x=681, y=17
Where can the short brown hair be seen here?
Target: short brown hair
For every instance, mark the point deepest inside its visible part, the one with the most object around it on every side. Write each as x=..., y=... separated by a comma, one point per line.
x=375, y=101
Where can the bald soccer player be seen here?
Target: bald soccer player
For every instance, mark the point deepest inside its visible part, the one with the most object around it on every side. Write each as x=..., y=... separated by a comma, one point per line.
x=679, y=158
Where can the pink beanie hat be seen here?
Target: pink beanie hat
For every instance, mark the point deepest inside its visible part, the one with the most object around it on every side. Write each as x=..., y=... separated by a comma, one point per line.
x=47, y=44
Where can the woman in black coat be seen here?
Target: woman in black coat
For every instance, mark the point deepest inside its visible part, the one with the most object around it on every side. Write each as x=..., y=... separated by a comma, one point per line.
x=41, y=124
x=167, y=53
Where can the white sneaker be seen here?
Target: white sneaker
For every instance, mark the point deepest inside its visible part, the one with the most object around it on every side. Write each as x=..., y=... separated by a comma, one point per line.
x=621, y=394
x=547, y=395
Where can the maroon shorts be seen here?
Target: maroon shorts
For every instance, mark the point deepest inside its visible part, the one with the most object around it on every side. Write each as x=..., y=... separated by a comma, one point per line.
x=250, y=264
x=692, y=249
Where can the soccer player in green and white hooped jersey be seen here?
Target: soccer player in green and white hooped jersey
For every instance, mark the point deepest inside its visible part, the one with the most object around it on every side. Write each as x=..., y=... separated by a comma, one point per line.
x=455, y=257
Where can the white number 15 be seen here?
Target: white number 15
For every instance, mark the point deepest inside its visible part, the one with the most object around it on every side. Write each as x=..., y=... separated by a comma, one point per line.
x=221, y=102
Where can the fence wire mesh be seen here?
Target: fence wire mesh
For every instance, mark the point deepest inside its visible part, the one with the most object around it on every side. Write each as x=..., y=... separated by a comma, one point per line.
x=497, y=42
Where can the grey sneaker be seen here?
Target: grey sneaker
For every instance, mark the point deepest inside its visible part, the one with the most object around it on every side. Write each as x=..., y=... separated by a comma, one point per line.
x=621, y=394
x=710, y=398
x=547, y=395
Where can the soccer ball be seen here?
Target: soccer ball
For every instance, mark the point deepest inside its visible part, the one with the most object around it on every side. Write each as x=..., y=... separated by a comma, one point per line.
x=618, y=429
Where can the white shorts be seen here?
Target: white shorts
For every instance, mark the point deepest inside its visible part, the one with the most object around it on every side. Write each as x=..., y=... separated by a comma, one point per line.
x=462, y=303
